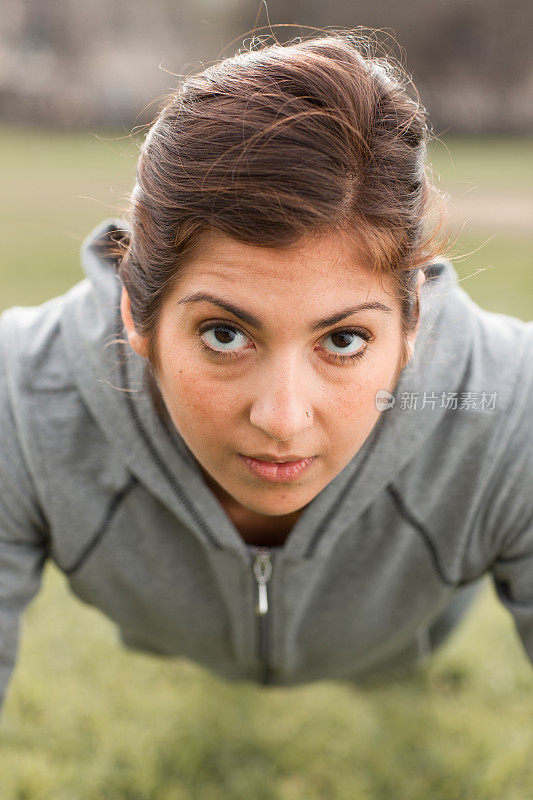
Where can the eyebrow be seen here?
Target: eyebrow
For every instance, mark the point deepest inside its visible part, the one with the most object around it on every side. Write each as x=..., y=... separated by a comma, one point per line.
x=251, y=319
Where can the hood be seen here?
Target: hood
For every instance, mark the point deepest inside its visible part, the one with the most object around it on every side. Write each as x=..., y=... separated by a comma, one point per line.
x=111, y=379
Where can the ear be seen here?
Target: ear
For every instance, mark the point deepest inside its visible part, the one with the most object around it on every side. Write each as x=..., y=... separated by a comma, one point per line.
x=411, y=338
x=138, y=342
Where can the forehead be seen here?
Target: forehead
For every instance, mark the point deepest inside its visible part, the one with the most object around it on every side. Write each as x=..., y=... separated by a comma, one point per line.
x=329, y=262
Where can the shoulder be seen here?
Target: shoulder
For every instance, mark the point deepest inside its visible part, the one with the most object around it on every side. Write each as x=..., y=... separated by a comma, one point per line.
x=32, y=339
x=506, y=360
x=502, y=363
x=31, y=347
x=55, y=459
x=38, y=393
x=503, y=341
x=470, y=348
x=498, y=365
x=32, y=361
x=473, y=472
x=21, y=509
x=511, y=495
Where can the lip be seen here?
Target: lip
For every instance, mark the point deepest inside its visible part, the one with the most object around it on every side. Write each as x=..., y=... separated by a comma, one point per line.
x=276, y=459
x=278, y=472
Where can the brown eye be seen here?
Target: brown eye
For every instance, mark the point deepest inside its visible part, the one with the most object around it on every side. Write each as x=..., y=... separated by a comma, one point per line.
x=346, y=342
x=223, y=338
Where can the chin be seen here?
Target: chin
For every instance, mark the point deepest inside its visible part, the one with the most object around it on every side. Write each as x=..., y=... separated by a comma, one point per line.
x=274, y=507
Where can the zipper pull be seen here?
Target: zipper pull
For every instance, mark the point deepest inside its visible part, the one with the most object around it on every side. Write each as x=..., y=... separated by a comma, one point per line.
x=262, y=572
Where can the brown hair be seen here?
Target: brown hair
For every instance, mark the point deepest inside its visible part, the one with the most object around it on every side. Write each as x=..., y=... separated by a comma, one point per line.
x=275, y=144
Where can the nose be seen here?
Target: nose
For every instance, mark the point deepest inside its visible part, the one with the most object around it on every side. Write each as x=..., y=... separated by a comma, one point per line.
x=282, y=407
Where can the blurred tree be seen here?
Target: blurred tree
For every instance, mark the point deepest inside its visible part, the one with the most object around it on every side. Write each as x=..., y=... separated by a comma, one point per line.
x=69, y=62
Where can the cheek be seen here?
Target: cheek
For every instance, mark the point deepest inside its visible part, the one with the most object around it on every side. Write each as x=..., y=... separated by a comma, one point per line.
x=356, y=398
x=193, y=399
x=369, y=377
x=382, y=368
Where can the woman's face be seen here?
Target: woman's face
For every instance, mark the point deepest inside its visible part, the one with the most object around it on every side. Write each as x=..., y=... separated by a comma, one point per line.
x=263, y=354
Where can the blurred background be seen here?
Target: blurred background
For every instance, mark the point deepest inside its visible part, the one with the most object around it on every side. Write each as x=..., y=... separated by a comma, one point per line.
x=69, y=63
x=85, y=719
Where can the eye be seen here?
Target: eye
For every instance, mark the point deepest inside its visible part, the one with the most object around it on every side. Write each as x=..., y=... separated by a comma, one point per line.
x=347, y=344
x=225, y=340
x=222, y=338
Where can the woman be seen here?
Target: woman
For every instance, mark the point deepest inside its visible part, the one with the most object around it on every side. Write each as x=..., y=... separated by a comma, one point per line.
x=269, y=431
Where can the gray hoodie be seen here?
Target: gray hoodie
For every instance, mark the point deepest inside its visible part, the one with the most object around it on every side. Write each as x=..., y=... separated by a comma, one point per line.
x=439, y=495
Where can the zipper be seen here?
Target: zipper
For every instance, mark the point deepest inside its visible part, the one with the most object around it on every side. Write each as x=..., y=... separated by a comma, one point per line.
x=262, y=570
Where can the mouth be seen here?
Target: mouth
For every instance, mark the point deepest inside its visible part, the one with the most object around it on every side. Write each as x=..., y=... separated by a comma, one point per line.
x=277, y=459
x=278, y=471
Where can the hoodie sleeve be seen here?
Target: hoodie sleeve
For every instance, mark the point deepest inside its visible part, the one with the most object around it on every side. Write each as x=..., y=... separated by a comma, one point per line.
x=23, y=542
x=512, y=519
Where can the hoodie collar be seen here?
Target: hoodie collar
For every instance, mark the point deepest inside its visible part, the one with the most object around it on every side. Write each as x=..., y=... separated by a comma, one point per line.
x=112, y=381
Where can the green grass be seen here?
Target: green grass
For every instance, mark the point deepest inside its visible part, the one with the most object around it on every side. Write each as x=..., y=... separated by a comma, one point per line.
x=56, y=188
x=497, y=271
x=86, y=719
x=495, y=164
